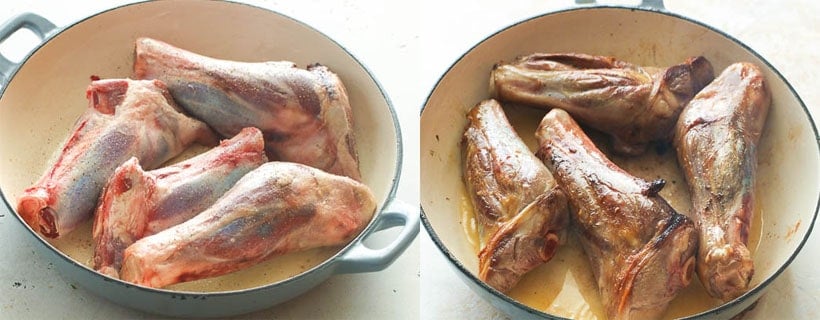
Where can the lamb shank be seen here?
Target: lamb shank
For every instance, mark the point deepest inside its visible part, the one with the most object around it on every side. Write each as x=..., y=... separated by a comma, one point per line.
x=716, y=140
x=137, y=203
x=520, y=211
x=635, y=105
x=279, y=207
x=125, y=118
x=304, y=114
x=642, y=252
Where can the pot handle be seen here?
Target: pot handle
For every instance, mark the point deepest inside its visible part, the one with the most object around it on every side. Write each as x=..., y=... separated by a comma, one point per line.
x=360, y=258
x=37, y=24
x=650, y=4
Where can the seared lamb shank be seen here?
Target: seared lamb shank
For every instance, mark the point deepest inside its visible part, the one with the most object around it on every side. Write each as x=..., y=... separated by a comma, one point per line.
x=635, y=105
x=304, y=115
x=136, y=203
x=125, y=118
x=641, y=251
x=716, y=139
x=520, y=211
x=278, y=208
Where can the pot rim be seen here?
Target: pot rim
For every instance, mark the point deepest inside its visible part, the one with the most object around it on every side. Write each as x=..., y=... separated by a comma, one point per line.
x=328, y=263
x=717, y=310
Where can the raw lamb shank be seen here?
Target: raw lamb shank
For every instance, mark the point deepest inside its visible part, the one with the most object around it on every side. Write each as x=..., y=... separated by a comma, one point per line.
x=125, y=118
x=716, y=139
x=521, y=213
x=278, y=208
x=635, y=105
x=304, y=115
x=641, y=251
x=136, y=203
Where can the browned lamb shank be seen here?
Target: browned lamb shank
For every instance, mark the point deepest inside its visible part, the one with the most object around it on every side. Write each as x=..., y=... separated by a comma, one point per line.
x=641, y=251
x=520, y=211
x=716, y=139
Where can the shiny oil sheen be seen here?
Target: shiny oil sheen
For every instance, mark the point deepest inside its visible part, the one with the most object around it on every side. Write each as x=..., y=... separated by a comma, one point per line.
x=79, y=246
x=565, y=286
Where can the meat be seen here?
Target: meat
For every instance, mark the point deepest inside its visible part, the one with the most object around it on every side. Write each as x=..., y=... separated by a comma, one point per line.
x=135, y=203
x=125, y=118
x=634, y=105
x=275, y=209
x=520, y=211
x=716, y=139
x=304, y=115
x=640, y=250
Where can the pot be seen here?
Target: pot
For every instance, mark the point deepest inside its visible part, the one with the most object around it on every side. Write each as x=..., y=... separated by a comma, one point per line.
x=44, y=94
x=645, y=35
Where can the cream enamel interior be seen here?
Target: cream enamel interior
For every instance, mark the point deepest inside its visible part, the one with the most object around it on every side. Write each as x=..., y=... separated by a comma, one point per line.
x=788, y=154
x=44, y=98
